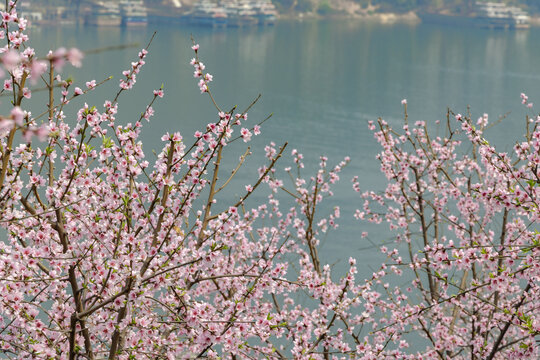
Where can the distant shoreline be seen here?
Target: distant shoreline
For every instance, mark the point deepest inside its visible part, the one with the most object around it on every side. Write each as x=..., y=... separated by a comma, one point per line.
x=409, y=18
x=382, y=18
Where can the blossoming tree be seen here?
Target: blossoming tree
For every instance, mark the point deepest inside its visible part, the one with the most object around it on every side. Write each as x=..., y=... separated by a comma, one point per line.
x=467, y=234
x=108, y=254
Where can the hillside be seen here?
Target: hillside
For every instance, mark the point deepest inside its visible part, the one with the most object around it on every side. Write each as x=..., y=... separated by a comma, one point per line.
x=361, y=7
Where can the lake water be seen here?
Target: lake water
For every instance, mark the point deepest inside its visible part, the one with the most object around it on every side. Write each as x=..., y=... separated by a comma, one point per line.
x=322, y=81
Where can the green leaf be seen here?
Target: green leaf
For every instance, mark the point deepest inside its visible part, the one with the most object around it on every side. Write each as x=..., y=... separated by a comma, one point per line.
x=107, y=142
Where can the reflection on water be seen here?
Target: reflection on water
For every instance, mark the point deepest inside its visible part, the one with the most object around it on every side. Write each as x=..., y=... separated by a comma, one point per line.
x=322, y=80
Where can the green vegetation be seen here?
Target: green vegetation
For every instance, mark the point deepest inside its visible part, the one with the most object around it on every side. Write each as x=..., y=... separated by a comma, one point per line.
x=325, y=8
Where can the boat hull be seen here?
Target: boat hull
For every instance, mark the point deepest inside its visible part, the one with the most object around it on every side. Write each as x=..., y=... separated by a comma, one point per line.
x=134, y=21
x=474, y=21
x=103, y=21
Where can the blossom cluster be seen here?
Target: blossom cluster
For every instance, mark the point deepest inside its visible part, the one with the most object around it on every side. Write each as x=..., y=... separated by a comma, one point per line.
x=110, y=253
x=465, y=224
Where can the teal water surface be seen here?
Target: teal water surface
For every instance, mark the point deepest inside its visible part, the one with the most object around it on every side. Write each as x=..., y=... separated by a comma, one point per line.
x=322, y=81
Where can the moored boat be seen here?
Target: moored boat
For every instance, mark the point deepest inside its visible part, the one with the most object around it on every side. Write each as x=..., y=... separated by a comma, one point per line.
x=266, y=12
x=104, y=14
x=133, y=13
x=239, y=13
x=232, y=13
x=206, y=13
x=521, y=19
x=485, y=14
